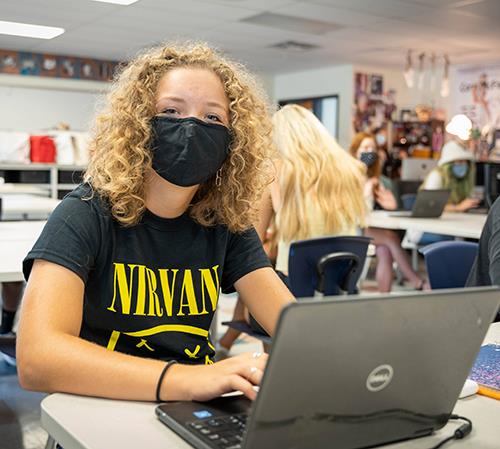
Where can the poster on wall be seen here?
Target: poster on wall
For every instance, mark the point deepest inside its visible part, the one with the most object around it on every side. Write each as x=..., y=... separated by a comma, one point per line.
x=476, y=93
x=373, y=107
x=49, y=65
x=36, y=64
x=69, y=67
x=30, y=63
x=9, y=62
x=90, y=69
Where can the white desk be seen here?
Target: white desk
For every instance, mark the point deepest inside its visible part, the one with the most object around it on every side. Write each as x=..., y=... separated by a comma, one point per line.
x=20, y=206
x=16, y=239
x=88, y=423
x=454, y=224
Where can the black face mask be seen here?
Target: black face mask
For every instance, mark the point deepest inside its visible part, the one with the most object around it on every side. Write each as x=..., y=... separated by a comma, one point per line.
x=188, y=151
x=368, y=157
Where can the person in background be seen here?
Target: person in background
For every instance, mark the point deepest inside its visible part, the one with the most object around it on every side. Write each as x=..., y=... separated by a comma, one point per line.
x=318, y=190
x=380, y=193
x=11, y=297
x=456, y=172
x=486, y=268
x=124, y=280
x=383, y=153
x=319, y=186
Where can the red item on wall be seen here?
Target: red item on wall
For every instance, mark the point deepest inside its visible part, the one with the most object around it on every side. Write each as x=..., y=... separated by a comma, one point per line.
x=43, y=149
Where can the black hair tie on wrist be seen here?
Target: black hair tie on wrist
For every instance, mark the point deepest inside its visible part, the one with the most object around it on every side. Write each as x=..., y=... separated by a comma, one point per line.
x=162, y=375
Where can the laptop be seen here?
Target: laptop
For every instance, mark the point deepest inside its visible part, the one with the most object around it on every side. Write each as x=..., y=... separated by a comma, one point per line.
x=428, y=204
x=350, y=373
x=416, y=169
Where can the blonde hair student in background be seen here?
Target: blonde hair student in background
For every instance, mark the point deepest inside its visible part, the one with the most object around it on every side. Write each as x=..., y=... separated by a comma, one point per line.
x=124, y=280
x=318, y=190
x=380, y=193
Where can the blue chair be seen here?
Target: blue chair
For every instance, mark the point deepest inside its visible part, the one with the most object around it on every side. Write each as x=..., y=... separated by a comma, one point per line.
x=328, y=265
x=449, y=263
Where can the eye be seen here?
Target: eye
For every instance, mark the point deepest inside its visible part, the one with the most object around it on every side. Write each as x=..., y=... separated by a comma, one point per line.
x=214, y=118
x=169, y=111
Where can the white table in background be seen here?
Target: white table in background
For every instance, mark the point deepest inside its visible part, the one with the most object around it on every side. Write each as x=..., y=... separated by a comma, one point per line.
x=22, y=206
x=78, y=422
x=454, y=224
x=16, y=239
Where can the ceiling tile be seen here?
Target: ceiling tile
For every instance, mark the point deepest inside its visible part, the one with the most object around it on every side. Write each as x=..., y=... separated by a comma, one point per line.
x=377, y=32
x=453, y=21
x=256, y=5
x=149, y=17
x=486, y=8
x=346, y=17
x=200, y=8
x=439, y=3
x=54, y=12
x=380, y=8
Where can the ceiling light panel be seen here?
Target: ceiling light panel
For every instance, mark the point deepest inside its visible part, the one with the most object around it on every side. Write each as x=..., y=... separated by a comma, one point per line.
x=29, y=30
x=117, y=2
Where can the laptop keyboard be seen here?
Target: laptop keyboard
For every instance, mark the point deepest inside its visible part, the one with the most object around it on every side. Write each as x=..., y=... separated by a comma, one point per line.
x=225, y=432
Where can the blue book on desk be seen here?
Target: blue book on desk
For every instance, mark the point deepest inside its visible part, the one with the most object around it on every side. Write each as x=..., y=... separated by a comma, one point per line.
x=486, y=369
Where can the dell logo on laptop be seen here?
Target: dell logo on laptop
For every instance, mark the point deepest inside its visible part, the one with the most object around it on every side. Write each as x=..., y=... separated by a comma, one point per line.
x=379, y=378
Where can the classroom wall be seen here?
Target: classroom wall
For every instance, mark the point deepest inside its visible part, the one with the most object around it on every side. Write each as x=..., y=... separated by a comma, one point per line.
x=334, y=80
x=409, y=98
x=267, y=82
x=340, y=80
x=31, y=104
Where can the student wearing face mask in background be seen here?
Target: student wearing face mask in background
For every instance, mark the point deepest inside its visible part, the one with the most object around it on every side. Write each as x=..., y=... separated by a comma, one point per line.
x=385, y=159
x=456, y=172
x=380, y=194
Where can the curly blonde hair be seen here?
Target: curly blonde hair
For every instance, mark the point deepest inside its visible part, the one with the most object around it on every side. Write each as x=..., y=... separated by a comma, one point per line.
x=120, y=157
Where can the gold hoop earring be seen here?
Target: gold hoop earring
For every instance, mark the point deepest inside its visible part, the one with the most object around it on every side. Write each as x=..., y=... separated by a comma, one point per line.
x=218, y=178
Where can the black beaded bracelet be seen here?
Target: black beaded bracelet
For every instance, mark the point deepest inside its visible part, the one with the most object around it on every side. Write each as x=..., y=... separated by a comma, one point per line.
x=162, y=375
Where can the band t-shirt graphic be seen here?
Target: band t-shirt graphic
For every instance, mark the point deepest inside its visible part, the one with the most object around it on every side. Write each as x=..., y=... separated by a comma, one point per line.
x=151, y=289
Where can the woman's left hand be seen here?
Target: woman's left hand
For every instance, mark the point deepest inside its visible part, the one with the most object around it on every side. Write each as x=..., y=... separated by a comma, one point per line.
x=385, y=198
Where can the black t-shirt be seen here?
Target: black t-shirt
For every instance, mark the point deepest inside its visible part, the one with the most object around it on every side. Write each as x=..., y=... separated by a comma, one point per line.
x=486, y=268
x=150, y=290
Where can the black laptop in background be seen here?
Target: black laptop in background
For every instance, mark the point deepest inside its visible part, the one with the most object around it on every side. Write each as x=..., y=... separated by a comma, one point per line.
x=428, y=204
x=350, y=373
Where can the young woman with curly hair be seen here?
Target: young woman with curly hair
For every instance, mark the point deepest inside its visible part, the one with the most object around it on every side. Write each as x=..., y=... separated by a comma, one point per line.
x=126, y=274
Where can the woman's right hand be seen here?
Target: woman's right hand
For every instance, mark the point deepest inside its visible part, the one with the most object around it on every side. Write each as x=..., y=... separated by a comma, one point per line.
x=202, y=383
x=467, y=204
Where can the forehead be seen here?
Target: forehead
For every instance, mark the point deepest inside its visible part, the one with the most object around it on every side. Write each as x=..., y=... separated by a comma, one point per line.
x=367, y=141
x=192, y=84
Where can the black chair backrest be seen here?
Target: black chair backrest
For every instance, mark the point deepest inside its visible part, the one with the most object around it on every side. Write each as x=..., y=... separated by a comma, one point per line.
x=346, y=265
x=331, y=265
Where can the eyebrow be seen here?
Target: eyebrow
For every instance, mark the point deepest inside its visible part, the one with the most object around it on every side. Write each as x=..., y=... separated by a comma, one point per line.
x=181, y=100
x=215, y=104
x=172, y=98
